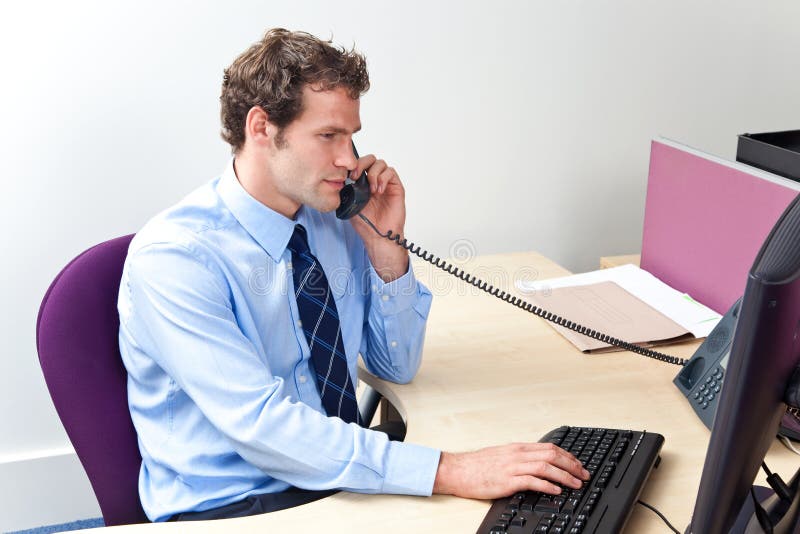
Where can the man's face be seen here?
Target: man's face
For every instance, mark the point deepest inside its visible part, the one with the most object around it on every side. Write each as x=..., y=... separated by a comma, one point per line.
x=310, y=165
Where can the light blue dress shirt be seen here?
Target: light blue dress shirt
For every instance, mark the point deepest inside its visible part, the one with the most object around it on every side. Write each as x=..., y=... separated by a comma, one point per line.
x=220, y=389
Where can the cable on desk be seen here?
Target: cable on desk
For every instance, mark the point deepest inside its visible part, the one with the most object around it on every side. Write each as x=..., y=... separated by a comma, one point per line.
x=518, y=302
x=659, y=514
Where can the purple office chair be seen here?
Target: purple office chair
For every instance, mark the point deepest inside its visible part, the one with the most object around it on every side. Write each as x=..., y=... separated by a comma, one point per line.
x=76, y=336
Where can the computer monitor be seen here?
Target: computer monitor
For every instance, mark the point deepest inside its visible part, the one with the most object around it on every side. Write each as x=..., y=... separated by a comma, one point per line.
x=764, y=356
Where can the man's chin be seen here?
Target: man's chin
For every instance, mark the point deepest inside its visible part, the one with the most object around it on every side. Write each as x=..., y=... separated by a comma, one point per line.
x=324, y=205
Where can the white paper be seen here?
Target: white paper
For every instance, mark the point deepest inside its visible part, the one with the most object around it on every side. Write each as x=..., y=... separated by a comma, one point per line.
x=695, y=317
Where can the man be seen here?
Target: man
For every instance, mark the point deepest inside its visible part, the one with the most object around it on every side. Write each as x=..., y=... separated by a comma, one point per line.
x=244, y=309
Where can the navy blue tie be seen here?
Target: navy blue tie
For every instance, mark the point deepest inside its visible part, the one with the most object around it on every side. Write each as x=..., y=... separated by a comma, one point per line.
x=323, y=332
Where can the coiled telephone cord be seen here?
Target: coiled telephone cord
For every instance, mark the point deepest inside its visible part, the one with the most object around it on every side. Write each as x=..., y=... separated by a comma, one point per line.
x=518, y=302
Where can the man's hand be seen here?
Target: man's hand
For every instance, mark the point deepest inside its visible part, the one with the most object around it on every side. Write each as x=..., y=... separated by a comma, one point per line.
x=387, y=211
x=501, y=471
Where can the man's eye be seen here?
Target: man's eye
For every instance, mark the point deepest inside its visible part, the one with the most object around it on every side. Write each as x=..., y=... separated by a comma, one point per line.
x=328, y=135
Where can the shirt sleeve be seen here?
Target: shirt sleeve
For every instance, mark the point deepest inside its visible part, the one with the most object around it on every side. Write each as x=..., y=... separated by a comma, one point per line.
x=395, y=326
x=180, y=315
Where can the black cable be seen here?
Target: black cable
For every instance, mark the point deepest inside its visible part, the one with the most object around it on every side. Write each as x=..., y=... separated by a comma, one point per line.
x=761, y=514
x=659, y=514
x=778, y=485
x=518, y=302
x=766, y=469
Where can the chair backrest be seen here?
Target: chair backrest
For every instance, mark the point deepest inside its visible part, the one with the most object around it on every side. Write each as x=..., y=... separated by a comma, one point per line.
x=77, y=340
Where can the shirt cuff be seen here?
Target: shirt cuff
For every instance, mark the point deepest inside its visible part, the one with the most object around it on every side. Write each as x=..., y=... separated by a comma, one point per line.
x=411, y=469
x=396, y=296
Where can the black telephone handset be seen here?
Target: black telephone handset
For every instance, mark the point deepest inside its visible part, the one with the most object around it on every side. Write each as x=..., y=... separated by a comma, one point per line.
x=354, y=195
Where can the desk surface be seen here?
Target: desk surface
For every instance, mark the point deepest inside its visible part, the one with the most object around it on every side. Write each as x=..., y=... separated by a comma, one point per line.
x=493, y=374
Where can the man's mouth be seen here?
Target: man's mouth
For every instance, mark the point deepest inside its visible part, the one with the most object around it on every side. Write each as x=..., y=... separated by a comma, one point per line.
x=336, y=184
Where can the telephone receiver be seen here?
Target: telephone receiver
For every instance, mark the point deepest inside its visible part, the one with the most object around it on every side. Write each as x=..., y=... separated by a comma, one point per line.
x=354, y=195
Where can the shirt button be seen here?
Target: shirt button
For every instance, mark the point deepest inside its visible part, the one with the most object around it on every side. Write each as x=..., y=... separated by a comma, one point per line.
x=385, y=297
x=289, y=265
x=299, y=323
x=302, y=379
x=374, y=287
x=393, y=343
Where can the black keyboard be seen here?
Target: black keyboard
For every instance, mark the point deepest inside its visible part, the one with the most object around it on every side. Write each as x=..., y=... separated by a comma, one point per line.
x=619, y=462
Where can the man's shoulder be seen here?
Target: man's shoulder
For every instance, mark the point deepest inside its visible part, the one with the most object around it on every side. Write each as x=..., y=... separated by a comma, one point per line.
x=187, y=224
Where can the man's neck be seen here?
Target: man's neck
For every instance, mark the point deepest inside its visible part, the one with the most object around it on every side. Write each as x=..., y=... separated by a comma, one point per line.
x=253, y=175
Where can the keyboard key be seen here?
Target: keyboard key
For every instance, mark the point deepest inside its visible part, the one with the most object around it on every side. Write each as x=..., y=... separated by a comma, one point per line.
x=526, y=506
x=571, y=505
x=546, y=504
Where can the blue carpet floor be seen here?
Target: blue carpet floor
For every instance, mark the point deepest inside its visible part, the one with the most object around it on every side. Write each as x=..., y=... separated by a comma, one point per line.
x=63, y=527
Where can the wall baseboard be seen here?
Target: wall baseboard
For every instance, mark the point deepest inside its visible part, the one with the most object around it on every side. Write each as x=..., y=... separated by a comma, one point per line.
x=44, y=489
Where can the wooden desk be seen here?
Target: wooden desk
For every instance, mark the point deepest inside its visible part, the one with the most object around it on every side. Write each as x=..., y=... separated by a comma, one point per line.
x=615, y=261
x=493, y=374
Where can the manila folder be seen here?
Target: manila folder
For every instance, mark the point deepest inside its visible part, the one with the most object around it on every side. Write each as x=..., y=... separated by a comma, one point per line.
x=608, y=308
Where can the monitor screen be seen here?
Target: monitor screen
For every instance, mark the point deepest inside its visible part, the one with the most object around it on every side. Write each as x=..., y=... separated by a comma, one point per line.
x=763, y=357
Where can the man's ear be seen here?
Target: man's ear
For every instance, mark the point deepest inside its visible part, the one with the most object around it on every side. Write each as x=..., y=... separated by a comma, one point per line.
x=257, y=127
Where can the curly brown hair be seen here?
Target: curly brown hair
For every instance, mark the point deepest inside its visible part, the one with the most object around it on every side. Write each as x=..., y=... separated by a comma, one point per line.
x=273, y=72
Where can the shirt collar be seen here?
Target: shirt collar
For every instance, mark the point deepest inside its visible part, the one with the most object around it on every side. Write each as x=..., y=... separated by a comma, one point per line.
x=269, y=228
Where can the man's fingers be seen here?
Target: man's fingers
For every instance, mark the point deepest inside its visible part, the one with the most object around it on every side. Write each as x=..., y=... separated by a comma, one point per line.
x=364, y=163
x=374, y=174
x=556, y=456
x=549, y=472
x=531, y=483
x=379, y=174
x=384, y=178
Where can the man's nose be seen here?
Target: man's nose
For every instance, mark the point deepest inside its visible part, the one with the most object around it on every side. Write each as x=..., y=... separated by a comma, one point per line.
x=346, y=157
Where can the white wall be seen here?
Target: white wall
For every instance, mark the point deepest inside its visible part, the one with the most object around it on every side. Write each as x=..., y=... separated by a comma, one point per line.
x=515, y=125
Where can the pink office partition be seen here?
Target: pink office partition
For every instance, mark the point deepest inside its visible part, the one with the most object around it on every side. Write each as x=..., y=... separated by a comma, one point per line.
x=705, y=220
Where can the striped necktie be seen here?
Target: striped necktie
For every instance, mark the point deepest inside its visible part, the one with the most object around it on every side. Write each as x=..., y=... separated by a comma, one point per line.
x=323, y=332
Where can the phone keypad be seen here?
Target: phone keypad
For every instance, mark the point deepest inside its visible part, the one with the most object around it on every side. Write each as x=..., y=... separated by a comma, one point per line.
x=709, y=389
